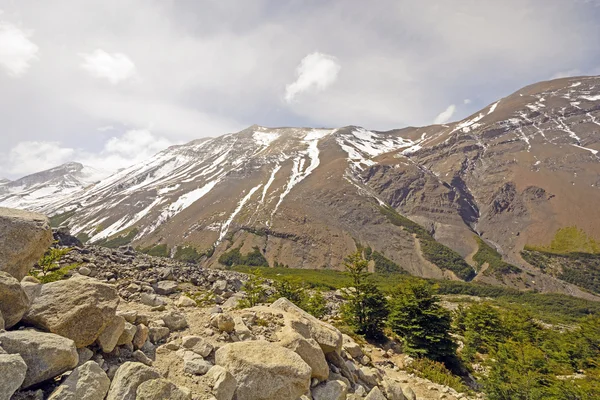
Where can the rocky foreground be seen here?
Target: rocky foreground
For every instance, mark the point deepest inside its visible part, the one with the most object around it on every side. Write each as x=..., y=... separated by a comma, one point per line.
x=129, y=326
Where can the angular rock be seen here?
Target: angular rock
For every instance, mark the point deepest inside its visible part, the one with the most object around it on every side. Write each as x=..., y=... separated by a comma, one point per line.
x=165, y=288
x=332, y=390
x=128, y=378
x=223, y=384
x=196, y=365
x=158, y=333
x=47, y=355
x=328, y=337
x=32, y=288
x=109, y=337
x=198, y=345
x=86, y=382
x=14, y=302
x=185, y=301
x=264, y=370
x=370, y=376
x=351, y=347
x=11, y=366
x=2, y=325
x=309, y=350
x=175, y=321
x=141, y=335
x=409, y=393
x=223, y=322
x=392, y=389
x=139, y=356
x=130, y=315
x=375, y=394
x=241, y=330
x=24, y=238
x=161, y=389
x=152, y=300
x=127, y=335
x=78, y=308
x=85, y=355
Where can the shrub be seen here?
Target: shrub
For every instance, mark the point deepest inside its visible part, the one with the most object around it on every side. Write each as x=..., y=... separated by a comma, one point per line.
x=436, y=372
x=234, y=257
x=496, y=266
x=254, y=289
x=202, y=298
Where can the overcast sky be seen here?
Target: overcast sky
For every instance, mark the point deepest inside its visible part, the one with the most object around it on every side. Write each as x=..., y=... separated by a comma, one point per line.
x=110, y=82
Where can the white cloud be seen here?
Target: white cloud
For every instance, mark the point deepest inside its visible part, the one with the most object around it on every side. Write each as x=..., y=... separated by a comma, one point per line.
x=445, y=115
x=17, y=52
x=467, y=101
x=33, y=156
x=115, y=67
x=316, y=72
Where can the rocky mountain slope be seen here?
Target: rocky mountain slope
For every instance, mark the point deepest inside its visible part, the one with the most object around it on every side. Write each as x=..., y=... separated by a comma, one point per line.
x=119, y=326
x=507, y=176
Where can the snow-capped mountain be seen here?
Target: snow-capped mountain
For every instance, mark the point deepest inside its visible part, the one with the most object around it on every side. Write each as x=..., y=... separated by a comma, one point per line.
x=511, y=174
x=43, y=190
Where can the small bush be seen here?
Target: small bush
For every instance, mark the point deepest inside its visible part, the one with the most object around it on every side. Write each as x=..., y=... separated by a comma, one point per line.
x=254, y=289
x=202, y=298
x=436, y=372
x=496, y=266
x=253, y=259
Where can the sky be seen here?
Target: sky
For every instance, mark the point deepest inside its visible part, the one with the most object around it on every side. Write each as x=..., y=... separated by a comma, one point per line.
x=111, y=82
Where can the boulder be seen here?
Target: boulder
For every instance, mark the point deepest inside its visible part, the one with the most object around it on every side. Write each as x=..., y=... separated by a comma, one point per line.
x=161, y=389
x=392, y=389
x=152, y=300
x=309, y=350
x=196, y=365
x=165, y=288
x=32, y=288
x=332, y=390
x=158, y=333
x=141, y=335
x=370, y=376
x=264, y=370
x=241, y=330
x=223, y=322
x=86, y=382
x=128, y=334
x=351, y=347
x=128, y=378
x=78, y=308
x=139, y=356
x=185, y=301
x=375, y=394
x=14, y=302
x=24, y=238
x=198, y=345
x=2, y=324
x=47, y=355
x=109, y=337
x=11, y=366
x=409, y=394
x=222, y=383
x=175, y=321
x=328, y=337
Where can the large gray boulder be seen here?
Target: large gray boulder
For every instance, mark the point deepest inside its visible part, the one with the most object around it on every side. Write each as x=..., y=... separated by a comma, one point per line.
x=264, y=371
x=309, y=350
x=109, y=337
x=78, y=308
x=332, y=390
x=86, y=382
x=46, y=355
x=128, y=378
x=221, y=382
x=24, y=238
x=162, y=389
x=14, y=302
x=12, y=374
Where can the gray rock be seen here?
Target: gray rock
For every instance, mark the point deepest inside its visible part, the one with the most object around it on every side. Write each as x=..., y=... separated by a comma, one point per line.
x=332, y=390
x=12, y=371
x=223, y=322
x=128, y=334
x=85, y=355
x=175, y=321
x=409, y=393
x=85, y=271
x=86, y=382
x=196, y=365
x=162, y=389
x=14, y=302
x=139, y=356
x=47, y=355
x=130, y=315
x=392, y=389
x=152, y=300
x=78, y=308
x=141, y=335
x=198, y=345
x=128, y=378
x=375, y=394
x=165, y=288
x=158, y=333
x=309, y=350
x=109, y=337
x=223, y=384
x=24, y=237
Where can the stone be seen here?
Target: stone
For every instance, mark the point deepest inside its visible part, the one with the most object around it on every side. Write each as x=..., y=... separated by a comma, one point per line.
x=392, y=389
x=128, y=378
x=24, y=238
x=264, y=370
x=47, y=355
x=32, y=288
x=141, y=335
x=375, y=394
x=139, y=356
x=86, y=382
x=219, y=286
x=14, y=302
x=78, y=308
x=84, y=355
x=351, y=347
x=158, y=333
x=85, y=271
x=223, y=322
x=128, y=334
x=196, y=365
x=162, y=389
x=309, y=350
x=241, y=330
x=2, y=324
x=409, y=394
x=152, y=300
x=332, y=390
x=328, y=337
x=130, y=315
x=165, y=287
x=198, y=345
x=370, y=376
x=175, y=321
x=223, y=384
x=184, y=301
x=12, y=370
x=109, y=337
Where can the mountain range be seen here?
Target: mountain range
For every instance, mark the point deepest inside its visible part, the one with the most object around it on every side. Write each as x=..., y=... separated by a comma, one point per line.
x=431, y=201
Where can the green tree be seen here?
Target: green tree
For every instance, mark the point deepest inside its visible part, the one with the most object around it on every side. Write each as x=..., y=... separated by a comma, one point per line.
x=421, y=322
x=482, y=328
x=366, y=307
x=254, y=289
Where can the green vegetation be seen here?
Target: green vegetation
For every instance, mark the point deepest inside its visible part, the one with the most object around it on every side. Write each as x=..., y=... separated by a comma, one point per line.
x=569, y=240
x=436, y=372
x=120, y=240
x=49, y=267
x=420, y=321
x=296, y=291
x=496, y=266
x=189, y=254
x=433, y=251
x=159, y=250
x=202, y=298
x=56, y=275
x=83, y=237
x=234, y=258
x=383, y=265
x=255, y=290
x=58, y=219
